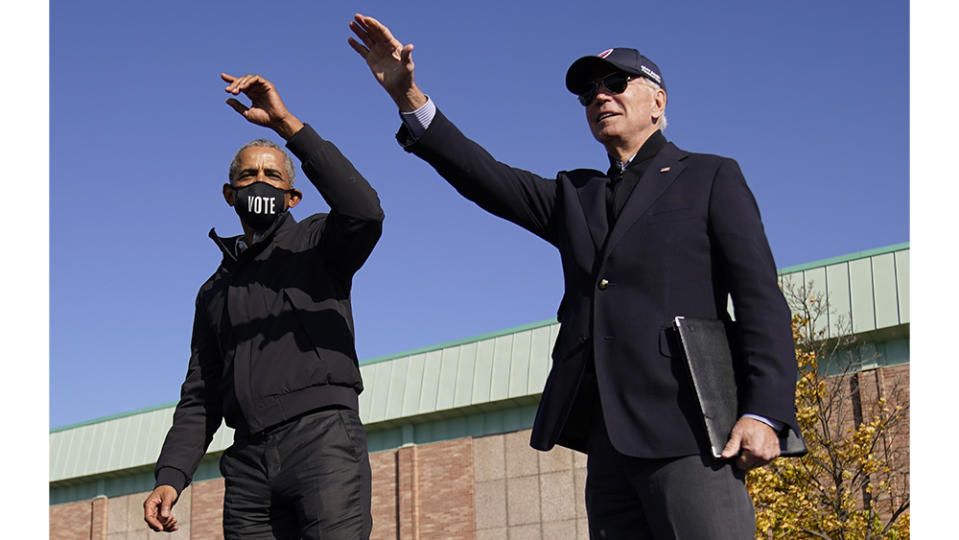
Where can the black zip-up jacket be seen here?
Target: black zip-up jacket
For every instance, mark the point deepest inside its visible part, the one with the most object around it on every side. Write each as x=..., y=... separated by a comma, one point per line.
x=273, y=330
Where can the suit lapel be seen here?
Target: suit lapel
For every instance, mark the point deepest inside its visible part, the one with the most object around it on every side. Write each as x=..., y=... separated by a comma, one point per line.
x=666, y=166
x=593, y=199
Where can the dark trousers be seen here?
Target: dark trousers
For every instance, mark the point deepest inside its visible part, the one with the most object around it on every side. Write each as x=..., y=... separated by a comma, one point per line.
x=686, y=498
x=308, y=478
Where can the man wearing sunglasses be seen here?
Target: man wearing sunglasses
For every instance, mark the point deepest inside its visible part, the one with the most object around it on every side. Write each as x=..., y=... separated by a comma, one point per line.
x=662, y=233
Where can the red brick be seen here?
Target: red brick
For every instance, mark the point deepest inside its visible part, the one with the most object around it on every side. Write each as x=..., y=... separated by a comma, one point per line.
x=446, y=490
x=383, y=502
x=71, y=521
x=206, y=516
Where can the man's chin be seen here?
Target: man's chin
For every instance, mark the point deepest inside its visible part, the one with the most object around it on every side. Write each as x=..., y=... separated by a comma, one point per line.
x=606, y=136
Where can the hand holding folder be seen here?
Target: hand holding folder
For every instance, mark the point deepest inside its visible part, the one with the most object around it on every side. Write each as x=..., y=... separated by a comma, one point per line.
x=710, y=361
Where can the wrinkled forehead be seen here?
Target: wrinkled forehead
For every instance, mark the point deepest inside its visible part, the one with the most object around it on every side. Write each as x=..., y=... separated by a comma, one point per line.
x=262, y=158
x=257, y=156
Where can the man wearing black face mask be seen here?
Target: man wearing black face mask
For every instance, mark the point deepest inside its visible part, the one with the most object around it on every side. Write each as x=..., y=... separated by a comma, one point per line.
x=273, y=345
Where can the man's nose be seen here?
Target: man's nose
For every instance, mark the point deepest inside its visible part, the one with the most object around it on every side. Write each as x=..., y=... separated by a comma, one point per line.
x=602, y=95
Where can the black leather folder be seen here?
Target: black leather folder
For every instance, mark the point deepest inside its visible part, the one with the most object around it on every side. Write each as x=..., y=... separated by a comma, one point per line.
x=709, y=357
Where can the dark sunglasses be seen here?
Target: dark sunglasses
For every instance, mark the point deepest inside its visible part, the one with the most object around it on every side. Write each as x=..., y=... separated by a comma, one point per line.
x=614, y=82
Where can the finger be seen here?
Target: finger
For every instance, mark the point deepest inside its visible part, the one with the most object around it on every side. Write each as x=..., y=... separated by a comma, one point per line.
x=257, y=85
x=153, y=523
x=361, y=32
x=363, y=51
x=234, y=86
x=150, y=514
x=165, y=510
x=732, y=445
x=378, y=31
x=227, y=77
x=237, y=106
x=242, y=84
x=359, y=20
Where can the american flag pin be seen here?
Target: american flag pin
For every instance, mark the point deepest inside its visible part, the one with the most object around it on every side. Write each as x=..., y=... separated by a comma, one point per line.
x=664, y=169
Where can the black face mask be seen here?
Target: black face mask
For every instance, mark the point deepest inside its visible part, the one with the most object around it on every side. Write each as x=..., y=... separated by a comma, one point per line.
x=259, y=204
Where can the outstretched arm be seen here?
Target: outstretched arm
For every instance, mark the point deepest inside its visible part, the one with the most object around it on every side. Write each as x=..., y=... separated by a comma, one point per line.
x=266, y=108
x=355, y=219
x=513, y=194
x=390, y=61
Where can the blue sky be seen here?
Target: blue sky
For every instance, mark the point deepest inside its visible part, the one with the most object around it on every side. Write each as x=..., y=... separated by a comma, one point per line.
x=812, y=99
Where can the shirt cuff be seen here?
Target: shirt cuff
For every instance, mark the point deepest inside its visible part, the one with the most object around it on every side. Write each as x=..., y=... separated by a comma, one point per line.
x=776, y=425
x=419, y=120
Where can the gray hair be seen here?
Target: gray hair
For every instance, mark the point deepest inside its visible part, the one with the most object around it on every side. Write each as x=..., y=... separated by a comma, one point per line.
x=263, y=143
x=653, y=87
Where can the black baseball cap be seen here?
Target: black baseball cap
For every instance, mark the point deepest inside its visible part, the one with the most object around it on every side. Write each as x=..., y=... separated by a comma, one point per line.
x=589, y=68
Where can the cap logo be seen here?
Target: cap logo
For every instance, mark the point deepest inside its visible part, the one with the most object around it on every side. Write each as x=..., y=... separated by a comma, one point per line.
x=605, y=53
x=652, y=75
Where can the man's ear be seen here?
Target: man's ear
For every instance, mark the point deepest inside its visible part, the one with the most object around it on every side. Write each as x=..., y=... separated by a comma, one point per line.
x=229, y=194
x=294, y=198
x=659, y=101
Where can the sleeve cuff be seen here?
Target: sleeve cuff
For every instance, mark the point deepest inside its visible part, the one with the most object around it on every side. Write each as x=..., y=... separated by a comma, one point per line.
x=302, y=141
x=172, y=477
x=419, y=120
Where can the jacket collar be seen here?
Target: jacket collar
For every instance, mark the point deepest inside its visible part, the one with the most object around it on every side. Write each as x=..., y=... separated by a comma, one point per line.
x=648, y=150
x=666, y=166
x=227, y=244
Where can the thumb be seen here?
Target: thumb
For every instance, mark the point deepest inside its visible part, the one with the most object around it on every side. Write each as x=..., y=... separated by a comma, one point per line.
x=165, y=508
x=406, y=55
x=732, y=445
x=237, y=106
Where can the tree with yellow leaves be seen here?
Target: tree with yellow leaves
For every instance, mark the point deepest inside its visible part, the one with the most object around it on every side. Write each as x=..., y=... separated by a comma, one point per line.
x=854, y=481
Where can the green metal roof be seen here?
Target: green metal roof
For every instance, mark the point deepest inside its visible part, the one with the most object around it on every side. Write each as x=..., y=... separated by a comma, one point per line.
x=864, y=291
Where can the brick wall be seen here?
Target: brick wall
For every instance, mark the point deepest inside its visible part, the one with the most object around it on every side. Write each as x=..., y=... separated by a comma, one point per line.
x=71, y=521
x=383, y=504
x=891, y=384
x=446, y=508
x=423, y=492
x=206, y=519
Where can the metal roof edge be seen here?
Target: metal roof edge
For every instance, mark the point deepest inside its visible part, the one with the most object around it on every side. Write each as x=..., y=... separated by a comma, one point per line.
x=463, y=341
x=376, y=360
x=844, y=258
x=114, y=417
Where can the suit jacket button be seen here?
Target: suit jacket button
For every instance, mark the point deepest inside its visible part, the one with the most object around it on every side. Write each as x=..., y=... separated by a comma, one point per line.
x=603, y=284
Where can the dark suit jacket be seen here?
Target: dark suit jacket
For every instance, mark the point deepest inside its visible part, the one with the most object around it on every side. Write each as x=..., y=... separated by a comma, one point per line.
x=689, y=235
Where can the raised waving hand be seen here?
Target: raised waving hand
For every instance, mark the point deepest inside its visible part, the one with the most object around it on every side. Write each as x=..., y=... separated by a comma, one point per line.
x=266, y=108
x=390, y=61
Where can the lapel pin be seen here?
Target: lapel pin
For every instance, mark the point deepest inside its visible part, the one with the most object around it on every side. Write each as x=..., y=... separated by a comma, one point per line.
x=664, y=169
